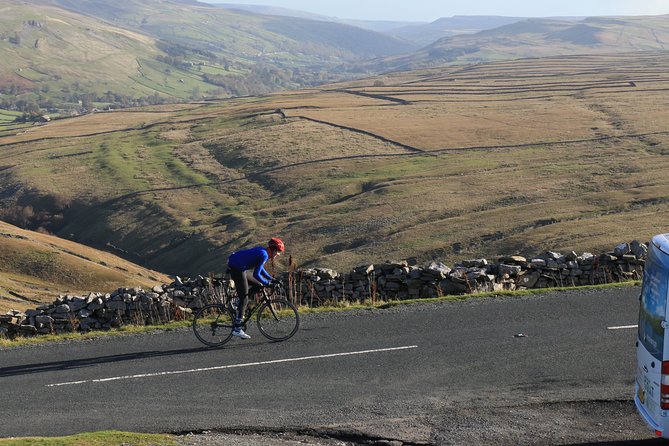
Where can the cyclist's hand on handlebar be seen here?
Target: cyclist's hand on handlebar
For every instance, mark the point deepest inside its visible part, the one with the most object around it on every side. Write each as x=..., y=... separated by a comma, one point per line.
x=274, y=284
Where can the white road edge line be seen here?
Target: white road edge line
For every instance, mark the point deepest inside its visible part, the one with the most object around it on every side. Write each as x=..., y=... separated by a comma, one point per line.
x=623, y=327
x=233, y=366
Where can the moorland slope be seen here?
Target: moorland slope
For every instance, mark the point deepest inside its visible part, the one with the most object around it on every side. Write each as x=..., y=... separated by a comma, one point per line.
x=450, y=163
x=36, y=267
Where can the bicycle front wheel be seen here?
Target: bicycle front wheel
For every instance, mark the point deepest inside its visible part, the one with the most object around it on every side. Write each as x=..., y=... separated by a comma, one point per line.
x=213, y=325
x=278, y=320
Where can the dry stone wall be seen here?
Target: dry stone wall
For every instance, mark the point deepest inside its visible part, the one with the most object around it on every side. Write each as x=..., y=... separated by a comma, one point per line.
x=318, y=286
x=401, y=280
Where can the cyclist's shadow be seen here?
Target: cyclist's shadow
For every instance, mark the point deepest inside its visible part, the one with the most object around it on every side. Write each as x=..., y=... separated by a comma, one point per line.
x=27, y=369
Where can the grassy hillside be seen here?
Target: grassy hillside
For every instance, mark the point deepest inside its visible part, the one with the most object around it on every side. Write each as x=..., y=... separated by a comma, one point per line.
x=450, y=163
x=35, y=268
x=383, y=26
x=540, y=38
x=65, y=56
x=420, y=34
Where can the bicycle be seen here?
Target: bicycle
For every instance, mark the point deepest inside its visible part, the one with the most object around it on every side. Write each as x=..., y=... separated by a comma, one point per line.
x=276, y=317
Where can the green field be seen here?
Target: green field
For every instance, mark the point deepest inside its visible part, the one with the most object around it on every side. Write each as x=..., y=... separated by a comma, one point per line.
x=8, y=116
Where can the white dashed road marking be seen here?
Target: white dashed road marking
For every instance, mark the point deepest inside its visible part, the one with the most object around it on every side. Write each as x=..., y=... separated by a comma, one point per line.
x=623, y=327
x=233, y=366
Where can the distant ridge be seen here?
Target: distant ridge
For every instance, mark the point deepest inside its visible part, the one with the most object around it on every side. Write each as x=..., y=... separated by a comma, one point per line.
x=539, y=37
x=383, y=26
x=424, y=34
x=272, y=10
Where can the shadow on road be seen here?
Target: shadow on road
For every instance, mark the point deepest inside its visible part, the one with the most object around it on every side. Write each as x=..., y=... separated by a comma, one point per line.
x=27, y=369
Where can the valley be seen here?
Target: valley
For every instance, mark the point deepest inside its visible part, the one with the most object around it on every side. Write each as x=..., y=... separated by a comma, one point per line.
x=67, y=57
x=139, y=53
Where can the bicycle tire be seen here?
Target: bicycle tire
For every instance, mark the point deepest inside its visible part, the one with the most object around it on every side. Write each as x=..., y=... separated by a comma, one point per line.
x=213, y=325
x=278, y=320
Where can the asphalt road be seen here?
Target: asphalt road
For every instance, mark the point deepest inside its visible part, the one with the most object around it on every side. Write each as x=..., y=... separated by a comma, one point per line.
x=423, y=373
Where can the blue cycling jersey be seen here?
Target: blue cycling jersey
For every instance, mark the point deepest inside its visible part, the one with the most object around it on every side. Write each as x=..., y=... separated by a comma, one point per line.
x=255, y=259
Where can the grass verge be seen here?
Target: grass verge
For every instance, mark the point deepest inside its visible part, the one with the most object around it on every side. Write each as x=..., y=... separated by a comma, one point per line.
x=519, y=293
x=331, y=307
x=123, y=331
x=103, y=438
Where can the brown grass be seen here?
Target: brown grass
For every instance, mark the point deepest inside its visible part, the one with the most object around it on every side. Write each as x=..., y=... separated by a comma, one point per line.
x=36, y=267
x=89, y=124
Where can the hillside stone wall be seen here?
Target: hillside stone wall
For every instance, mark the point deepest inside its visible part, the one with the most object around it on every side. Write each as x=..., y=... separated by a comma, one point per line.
x=400, y=280
x=318, y=286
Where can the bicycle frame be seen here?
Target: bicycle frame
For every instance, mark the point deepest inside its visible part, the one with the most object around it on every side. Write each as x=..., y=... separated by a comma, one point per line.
x=258, y=303
x=224, y=297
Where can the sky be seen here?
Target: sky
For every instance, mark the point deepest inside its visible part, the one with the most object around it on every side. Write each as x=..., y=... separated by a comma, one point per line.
x=430, y=10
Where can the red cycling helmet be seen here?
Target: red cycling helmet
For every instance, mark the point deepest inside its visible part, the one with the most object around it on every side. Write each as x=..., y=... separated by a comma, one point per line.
x=276, y=244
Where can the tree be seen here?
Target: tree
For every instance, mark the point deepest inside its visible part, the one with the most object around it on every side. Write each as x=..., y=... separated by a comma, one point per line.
x=87, y=102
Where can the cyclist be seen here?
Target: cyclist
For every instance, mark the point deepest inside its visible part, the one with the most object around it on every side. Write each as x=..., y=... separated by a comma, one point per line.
x=248, y=267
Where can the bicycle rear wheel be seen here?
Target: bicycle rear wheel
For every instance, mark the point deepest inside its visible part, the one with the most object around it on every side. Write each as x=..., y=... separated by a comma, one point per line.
x=213, y=325
x=278, y=320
